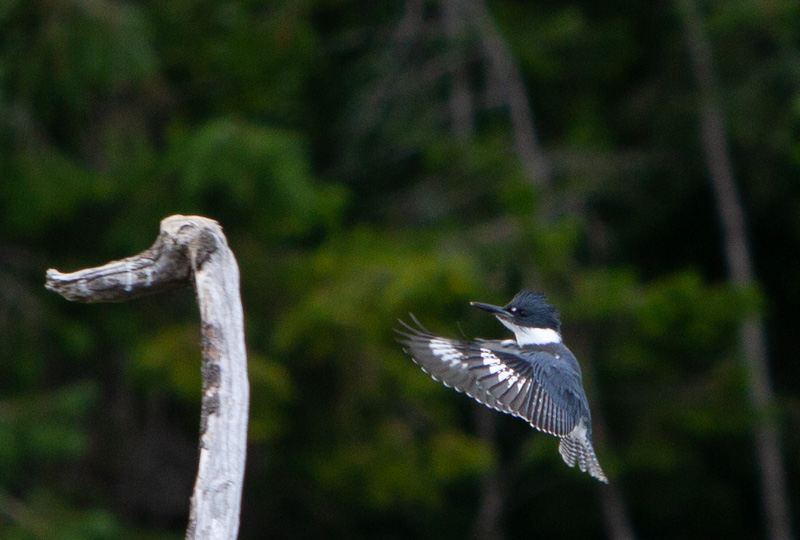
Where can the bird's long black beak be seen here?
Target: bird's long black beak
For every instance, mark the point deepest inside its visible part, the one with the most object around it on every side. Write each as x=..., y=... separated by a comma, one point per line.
x=489, y=307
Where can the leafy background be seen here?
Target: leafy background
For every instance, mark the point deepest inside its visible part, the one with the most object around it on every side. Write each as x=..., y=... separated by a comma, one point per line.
x=364, y=160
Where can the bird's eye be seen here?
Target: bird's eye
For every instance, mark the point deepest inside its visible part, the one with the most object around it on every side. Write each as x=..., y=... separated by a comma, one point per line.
x=521, y=312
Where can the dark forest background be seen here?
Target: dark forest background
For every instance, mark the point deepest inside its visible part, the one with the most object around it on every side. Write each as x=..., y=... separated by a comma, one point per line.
x=371, y=159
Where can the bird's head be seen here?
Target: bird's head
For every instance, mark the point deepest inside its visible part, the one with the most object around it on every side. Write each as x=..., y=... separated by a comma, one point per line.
x=529, y=316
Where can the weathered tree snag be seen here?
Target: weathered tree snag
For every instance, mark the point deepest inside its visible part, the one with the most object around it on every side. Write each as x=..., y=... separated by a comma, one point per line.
x=193, y=247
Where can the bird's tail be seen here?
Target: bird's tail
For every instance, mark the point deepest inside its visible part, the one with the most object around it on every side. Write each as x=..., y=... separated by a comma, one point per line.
x=576, y=447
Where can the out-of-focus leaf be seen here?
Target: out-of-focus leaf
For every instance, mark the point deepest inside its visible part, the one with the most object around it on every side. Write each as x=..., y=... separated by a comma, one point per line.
x=169, y=361
x=243, y=162
x=271, y=390
x=45, y=428
x=53, y=186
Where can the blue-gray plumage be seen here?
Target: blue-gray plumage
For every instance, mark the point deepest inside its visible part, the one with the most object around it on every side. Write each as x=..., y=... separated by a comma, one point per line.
x=534, y=377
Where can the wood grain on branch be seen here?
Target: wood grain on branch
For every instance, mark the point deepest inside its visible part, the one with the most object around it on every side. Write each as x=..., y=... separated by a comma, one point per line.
x=192, y=249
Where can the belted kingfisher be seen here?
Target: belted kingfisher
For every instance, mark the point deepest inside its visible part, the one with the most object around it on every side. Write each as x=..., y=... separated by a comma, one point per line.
x=535, y=377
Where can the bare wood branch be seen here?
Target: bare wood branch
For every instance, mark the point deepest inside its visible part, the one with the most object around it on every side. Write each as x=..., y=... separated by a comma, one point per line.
x=157, y=269
x=193, y=249
x=740, y=269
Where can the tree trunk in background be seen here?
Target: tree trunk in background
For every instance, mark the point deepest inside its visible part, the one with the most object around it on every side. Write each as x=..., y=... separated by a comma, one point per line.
x=460, y=99
x=617, y=524
x=740, y=270
x=616, y=520
x=505, y=84
x=488, y=522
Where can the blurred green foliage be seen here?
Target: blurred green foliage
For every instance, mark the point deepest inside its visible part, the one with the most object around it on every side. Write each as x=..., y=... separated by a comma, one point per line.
x=318, y=134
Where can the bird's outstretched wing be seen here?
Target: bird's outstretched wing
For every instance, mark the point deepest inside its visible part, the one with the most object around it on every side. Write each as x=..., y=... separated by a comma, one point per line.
x=538, y=387
x=497, y=378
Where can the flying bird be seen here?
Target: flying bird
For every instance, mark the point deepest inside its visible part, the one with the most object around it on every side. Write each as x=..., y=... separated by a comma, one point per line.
x=534, y=376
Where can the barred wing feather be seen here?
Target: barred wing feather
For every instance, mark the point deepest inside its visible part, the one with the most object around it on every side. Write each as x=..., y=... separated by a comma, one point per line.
x=497, y=378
